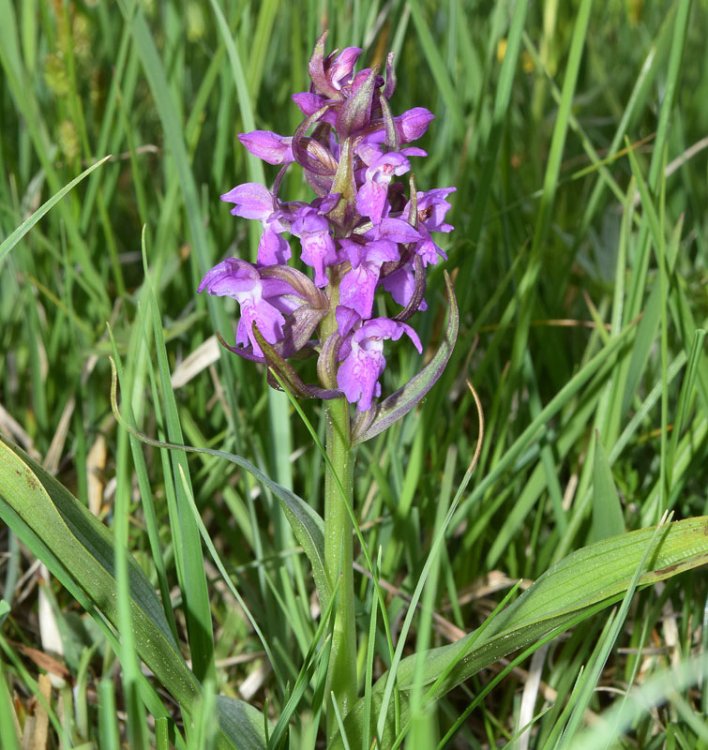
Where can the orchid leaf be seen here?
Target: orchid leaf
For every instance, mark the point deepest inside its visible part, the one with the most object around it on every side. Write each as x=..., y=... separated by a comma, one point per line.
x=78, y=550
x=397, y=405
x=577, y=587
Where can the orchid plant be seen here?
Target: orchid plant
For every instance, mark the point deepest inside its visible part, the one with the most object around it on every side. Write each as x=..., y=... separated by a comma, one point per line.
x=365, y=233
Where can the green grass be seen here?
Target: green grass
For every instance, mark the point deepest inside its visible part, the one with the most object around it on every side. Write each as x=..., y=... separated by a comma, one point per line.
x=580, y=260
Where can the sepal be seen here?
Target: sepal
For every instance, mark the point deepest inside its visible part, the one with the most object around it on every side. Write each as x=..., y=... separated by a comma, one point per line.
x=316, y=68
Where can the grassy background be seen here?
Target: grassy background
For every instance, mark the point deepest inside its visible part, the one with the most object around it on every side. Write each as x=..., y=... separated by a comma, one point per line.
x=575, y=134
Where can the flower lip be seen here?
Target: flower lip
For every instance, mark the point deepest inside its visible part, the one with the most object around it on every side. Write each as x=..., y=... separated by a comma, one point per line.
x=318, y=248
x=378, y=329
x=363, y=361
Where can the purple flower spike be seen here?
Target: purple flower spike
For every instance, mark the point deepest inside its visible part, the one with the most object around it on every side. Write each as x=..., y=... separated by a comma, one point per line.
x=364, y=362
x=362, y=234
x=271, y=147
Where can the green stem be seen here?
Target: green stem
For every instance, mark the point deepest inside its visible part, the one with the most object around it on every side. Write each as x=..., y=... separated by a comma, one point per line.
x=341, y=679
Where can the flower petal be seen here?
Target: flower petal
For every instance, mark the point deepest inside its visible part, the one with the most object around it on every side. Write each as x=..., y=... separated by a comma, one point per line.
x=232, y=277
x=253, y=201
x=273, y=248
x=412, y=124
x=271, y=147
x=357, y=289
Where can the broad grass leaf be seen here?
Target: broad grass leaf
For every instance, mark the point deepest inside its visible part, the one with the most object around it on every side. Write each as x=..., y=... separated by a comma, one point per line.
x=77, y=548
x=584, y=582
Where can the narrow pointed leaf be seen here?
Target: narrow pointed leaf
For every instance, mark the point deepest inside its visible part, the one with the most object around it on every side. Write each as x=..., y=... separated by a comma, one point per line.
x=9, y=243
x=607, y=518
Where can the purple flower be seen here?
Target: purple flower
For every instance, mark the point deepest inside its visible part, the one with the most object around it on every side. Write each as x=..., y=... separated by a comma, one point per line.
x=364, y=362
x=409, y=126
x=395, y=230
x=318, y=249
x=339, y=70
x=401, y=284
x=254, y=201
x=330, y=74
x=372, y=195
x=357, y=288
x=412, y=124
x=259, y=300
x=271, y=147
x=431, y=210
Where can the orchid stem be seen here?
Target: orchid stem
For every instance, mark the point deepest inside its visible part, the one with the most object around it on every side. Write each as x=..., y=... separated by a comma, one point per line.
x=341, y=678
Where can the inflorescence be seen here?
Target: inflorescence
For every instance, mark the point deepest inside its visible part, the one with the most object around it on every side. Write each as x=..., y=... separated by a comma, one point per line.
x=361, y=235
